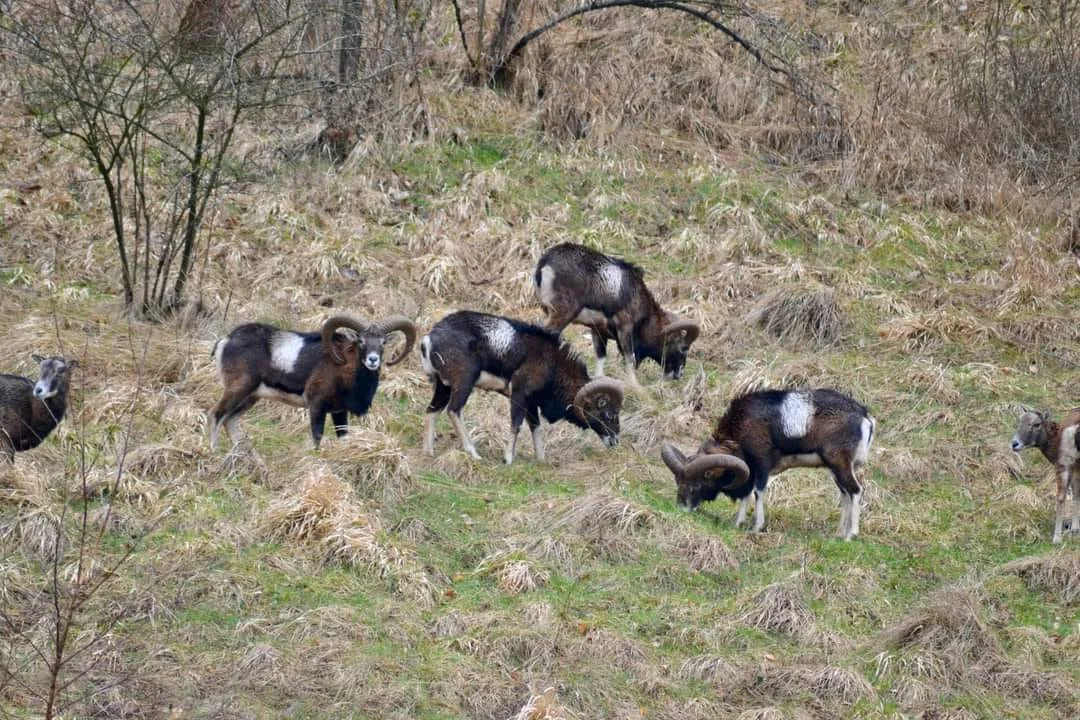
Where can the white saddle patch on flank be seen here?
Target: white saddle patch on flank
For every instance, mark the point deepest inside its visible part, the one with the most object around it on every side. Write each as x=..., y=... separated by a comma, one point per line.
x=796, y=411
x=611, y=279
x=500, y=335
x=284, y=350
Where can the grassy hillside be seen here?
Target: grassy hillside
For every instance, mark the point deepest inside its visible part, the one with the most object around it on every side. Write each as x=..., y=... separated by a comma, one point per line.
x=370, y=581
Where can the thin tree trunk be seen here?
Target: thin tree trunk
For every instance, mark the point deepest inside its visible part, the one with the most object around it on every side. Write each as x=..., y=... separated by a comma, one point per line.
x=349, y=55
x=191, y=229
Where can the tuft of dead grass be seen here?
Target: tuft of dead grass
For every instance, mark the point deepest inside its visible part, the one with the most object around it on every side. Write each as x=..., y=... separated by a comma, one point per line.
x=780, y=608
x=513, y=571
x=930, y=329
x=374, y=462
x=704, y=553
x=600, y=511
x=711, y=668
x=943, y=638
x=323, y=510
x=1056, y=574
x=543, y=706
x=800, y=317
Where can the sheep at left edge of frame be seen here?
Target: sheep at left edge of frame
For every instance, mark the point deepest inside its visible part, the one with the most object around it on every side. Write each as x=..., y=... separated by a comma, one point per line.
x=30, y=410
x=325, y=371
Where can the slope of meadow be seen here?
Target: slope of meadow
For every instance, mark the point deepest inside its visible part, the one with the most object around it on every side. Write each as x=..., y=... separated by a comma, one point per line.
x=368, y=580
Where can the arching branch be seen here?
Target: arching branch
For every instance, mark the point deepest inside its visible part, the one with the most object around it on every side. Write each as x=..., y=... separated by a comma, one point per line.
x=502, y=64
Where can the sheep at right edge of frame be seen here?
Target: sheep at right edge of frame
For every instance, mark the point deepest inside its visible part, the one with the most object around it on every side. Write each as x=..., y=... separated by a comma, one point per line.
x=1060, y=445
x=769, y=431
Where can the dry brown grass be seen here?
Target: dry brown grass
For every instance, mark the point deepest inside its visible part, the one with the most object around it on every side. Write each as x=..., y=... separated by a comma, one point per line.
x=942, y=640
x=600, y=511
x=543, y=706
x=781, y=608
x=703, y=553
x=800, y=317
x=514, y=573
x=374, y=462
x=1056, y=574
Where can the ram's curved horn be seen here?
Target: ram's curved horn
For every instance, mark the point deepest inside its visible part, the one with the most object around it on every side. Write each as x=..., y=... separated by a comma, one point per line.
x=673, y=458
x=683, y=325
x=704, y=464
x=600, y=386
x=331, y=325
x=402, y=324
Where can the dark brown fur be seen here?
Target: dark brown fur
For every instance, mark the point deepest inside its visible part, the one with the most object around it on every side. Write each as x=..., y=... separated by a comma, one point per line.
x=632, y=318
x=752, y=429
x=328, y=375
x=26, y=419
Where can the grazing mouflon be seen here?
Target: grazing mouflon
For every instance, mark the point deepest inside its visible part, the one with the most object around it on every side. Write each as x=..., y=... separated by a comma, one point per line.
x=768, y=431
x=609, y=296
x=538, y=373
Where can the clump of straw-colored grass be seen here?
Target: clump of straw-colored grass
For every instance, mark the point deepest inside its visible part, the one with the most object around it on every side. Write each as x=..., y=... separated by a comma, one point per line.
x=800, y=317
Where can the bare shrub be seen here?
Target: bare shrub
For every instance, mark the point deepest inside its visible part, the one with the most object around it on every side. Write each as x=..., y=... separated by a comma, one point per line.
x=1017, y=87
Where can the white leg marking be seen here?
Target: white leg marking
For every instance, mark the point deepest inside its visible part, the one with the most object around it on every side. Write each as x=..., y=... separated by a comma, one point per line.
x=853, y=521
x=463, y=433
x=740, y=515
x=429, y=433
x=1074, y=526
x=1059, y=514
x=845, y=515
x=1068, y=455
x=631, y=372
x=796, y=411
x=759, y=511
x=215, y=429
x=232, y=427
x=284, y=350
x=600, y=366
x=538, y=442
x=511, y=448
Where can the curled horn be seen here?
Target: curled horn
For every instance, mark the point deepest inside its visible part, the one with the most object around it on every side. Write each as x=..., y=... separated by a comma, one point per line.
x=683, y=325
x=605, y=385
x=331, y=325
x=703, y=464
x=402, y=324
x=673, y=458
